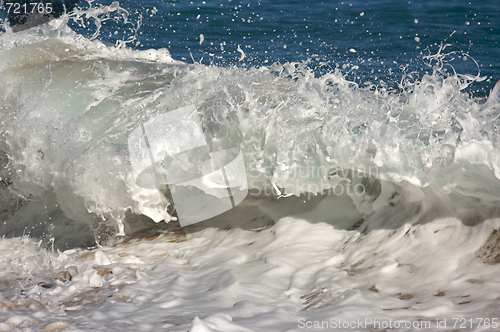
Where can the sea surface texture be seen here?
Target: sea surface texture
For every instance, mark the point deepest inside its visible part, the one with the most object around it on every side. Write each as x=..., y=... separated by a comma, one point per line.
x=368, y=143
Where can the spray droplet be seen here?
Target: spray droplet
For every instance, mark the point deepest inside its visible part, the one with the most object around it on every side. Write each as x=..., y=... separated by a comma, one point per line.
x=416, y=21
x=467, y=23
x=241, y=52
x=202, y=38
x=352, y=50
x=417, y=39
x=362, y=14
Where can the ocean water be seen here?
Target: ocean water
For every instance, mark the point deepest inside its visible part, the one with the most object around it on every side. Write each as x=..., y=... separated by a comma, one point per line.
x=369, y=139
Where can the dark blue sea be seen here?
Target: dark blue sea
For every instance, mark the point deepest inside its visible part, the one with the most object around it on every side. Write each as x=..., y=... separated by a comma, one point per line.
x=383, y=38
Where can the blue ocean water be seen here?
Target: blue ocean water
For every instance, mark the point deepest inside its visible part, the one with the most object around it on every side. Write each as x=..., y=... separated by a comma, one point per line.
x=382, y=38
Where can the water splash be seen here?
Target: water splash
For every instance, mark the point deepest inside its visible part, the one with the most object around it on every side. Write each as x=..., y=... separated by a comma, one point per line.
x=69, y=103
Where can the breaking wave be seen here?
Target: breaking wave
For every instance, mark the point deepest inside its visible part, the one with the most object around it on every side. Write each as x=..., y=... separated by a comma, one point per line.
x=365, y=155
